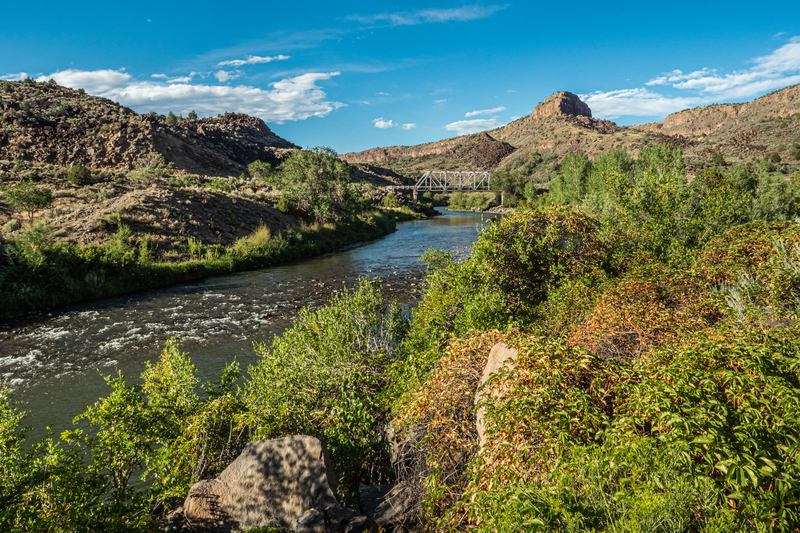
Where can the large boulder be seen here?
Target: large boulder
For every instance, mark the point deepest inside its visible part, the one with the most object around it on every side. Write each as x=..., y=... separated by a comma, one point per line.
x=500, y=356
x=272, y=482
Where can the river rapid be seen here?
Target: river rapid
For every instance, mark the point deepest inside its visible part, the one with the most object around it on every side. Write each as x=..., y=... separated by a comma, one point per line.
x=56, y=359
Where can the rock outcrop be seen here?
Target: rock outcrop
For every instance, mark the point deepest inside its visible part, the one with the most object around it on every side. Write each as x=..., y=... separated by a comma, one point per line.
x=563, y=103
x=272, y=482
x=500, y=356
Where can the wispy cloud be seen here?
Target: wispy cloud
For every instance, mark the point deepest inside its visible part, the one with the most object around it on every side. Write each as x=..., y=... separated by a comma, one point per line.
x=439, y=102
x=252, y=60
x=160, y=76
x=778, y=69
x=409, y=126
x=425, y=16
x=384, y=124
x=772, y=71
x=290, y=99
x=463, y=127
x=384, y=94
x=485, y=112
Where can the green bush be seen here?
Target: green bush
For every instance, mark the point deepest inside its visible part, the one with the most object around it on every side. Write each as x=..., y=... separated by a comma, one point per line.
x=79, y=175
x=150, y=167
x=718, y=159
x=322, y=376
x=11, y=226
x=264, y=172
x=776, y=157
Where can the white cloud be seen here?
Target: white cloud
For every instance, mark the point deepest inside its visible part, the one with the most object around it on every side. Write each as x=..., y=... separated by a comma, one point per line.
x=384, y=124
x=162, y=76
x=384, y=94
x=180, y=79
x=773, y=71
x=700, y=87
x=296, y=98
x=92, y=81
x=251, y=60
x=440, y=101
x=485, y=112
x=422, y=16
x=407, y=127
x=224, y=75
x=462, y=127
x=515, y=118
x=637, y=102
x=15, y=77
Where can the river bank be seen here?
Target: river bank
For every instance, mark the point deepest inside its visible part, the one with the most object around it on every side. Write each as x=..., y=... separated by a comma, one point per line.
x=57, y=359
x=60, y=274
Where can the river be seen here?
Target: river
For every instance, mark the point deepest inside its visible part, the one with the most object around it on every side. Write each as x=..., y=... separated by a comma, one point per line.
x=57, y=359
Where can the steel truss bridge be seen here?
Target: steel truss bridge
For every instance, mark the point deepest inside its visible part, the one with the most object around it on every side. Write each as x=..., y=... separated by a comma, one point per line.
x=450, y=180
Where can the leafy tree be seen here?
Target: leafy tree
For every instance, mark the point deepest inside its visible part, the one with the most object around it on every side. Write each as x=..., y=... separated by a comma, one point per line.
x=171, y=119
x=317, y=184
x=718, y=159
x=27, y=196
x=192, y=115
x=776, y=157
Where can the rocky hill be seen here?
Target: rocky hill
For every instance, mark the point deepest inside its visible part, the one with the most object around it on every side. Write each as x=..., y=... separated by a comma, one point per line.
x=563, y=124
x=47, y=123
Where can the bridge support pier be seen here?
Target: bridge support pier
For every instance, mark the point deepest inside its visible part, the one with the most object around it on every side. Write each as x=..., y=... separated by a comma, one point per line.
x=414, y=194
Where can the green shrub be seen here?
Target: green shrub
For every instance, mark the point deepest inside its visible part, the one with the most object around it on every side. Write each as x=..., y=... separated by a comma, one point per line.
x=776, y=157
x=192, y=115
x=390, y=200
x=150, y=167
x=718, y=159
x=321, y=377
x=195, y=248
x=11, y=226
x=219, y=184
x=264, y=172
x=79, y=175
x=81, y=91
x=7, y=88
x=183, y=181
x=171, y=120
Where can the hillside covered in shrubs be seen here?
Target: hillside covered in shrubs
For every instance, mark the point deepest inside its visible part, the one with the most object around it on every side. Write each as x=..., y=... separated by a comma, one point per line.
x=656, y=386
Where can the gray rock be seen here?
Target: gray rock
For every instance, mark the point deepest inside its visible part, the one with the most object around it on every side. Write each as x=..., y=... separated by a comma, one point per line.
x=500, y=356
x=360, y=524
x=329, y=520
x=272, y=482
x=387, y=504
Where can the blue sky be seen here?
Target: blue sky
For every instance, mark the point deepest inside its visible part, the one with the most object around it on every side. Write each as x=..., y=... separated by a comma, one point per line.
x=358, y=75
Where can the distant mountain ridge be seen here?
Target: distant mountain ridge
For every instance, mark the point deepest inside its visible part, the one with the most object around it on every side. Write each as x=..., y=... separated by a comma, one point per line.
x=562, y=124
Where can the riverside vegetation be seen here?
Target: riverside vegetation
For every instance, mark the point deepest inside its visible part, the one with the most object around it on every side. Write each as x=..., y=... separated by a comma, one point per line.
x=657, y=387
x=312, y=190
